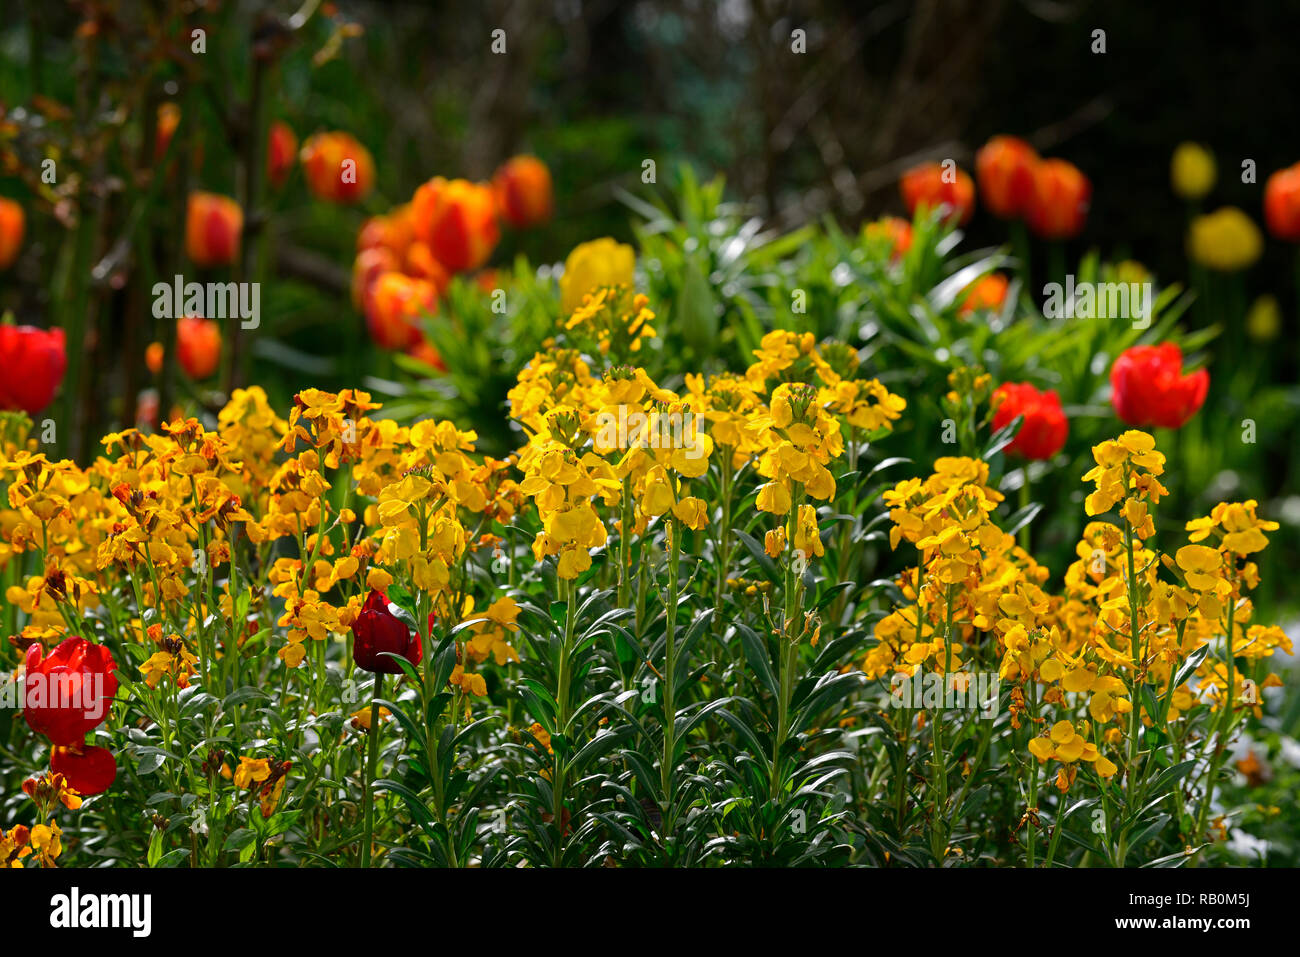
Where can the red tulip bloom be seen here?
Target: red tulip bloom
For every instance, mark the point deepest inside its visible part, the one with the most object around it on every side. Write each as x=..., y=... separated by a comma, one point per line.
x=933, y=186
x=1043, y=432
x=377, y=631
x=1148, y=387
x=89, y=770
x=34, y=361
x=12, y=225
x=213, y=225
x=1058, y=206
x=1004, y=167
x=523, y=191
x=68, y=693
x=198, y=346
x=1282, y=204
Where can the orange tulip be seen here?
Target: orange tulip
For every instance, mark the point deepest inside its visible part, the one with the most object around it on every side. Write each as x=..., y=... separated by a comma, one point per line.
x=931, y=185
x=1058, y=207
x=1282, y=204
x=1004, y=167
x=281, y=147
x=523, y=191
x=369, y=265
x=458, y=220
x=421, y=263
x=896, y=230
x=426, y=353
x=338, y=168
x=987, y=292
x=393, y=232
x=13, y=223
x=393, y=307
x=212, y=228
x=198, y=346
x=169, y=115
x=153, y=357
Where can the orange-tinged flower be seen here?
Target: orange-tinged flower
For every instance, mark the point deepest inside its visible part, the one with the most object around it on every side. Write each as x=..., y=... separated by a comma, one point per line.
x=213, y=225
x=1058, y=207
x=393, y=232
x=457, y=219
x=894, y=229
x=198, y=346
x=1004, y=167
x=12, y=225
x=393, y=306
x=281, y=150
x=169, y=116
x=1282, y=204
x=337, y=167
x=421, y=263
x=987, y=292
x=936, y=186
x=523, y=191
x=424, y=351
x=370, y=264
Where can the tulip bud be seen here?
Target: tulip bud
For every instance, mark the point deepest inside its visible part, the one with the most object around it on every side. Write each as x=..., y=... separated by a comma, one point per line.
x=281, y=150
x=523, y=191
x=1282, y=204
x=1043, y=432
x=1004, y=167
x=337, y=167
x=1191, y=170
x=198, y=346
x=33, y=361
x=1058, y=206
x=935, y=186
x=213, y=225
x=12, y=225
x=377, y=632
x=1226, y=240
x=1149, y=389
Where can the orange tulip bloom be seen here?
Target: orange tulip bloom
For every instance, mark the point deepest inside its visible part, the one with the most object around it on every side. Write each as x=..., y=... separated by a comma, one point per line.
x=988, y=292
x=338, y=168
x=927, y=185
x=212, y=229
x=198, y=346
x=13, y=223
x=1282, y=204
x=394, y=304
x=393, y=232
x=896, y=230
x=458, y=220
x=426, y=353
x=1004, y=167
x=169, y=115
x=1059, y=205
x=281, y=150
x=523, y=191
x=421, y=263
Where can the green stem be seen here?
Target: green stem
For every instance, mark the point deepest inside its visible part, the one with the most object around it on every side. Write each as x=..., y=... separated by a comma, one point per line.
x=372, y=763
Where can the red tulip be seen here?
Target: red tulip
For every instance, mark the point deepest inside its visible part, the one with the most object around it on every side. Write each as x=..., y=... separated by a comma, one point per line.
x=378, y=631
x=68, y=692
x=523, y=191
x=1004, y=167
x=12, y=225
x=1042, y=433
x=1282, y=204
x=213, y=225
x=281, y=148
x=1148, y=387
x=33, y=361
x=936, y=187
x=1058, y=206
x=89, y=770
x=198, y=346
